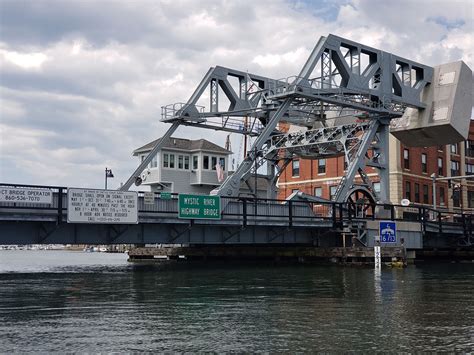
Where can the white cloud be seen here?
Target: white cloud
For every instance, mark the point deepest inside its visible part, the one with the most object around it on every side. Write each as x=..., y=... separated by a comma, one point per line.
x=24, y=60
x=82, y=83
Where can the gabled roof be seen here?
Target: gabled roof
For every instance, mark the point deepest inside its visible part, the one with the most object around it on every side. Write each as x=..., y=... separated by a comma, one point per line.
x=184, y=144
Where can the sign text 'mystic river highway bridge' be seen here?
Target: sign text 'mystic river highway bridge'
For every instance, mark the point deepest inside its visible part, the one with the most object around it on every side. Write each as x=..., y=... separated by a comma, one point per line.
x=346, y=100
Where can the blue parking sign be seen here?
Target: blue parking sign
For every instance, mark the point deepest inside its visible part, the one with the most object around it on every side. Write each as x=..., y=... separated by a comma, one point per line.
x=388, y=232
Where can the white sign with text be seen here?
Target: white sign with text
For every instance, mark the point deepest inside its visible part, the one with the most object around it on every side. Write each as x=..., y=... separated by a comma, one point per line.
x=26, y=195
x=102, y=206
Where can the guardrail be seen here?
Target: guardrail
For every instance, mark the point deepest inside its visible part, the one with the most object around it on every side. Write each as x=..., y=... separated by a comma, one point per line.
x=289, y=212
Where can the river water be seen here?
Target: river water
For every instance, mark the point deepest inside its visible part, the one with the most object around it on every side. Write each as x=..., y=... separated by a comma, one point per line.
x=58, y=301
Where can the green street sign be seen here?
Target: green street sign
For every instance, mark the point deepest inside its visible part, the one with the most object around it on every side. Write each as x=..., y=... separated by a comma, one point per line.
x=199, y=207
x=165, y=195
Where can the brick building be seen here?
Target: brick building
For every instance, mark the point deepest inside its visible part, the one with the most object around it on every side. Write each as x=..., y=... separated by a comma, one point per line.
x=410, y=174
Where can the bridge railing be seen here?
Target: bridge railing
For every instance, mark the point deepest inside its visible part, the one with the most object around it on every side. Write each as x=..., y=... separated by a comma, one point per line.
x=246, y=210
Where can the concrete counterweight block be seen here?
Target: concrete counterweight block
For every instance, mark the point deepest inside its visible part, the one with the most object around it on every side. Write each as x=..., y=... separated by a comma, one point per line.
x=446, y=118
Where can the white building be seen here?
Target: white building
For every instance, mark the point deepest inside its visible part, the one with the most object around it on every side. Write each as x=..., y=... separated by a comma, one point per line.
x=184, y=165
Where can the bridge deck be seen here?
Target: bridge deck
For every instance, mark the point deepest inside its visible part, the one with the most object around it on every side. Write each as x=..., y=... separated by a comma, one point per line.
x=243, y=220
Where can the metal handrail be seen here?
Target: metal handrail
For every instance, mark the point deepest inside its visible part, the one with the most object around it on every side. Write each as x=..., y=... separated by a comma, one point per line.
x=247, y=208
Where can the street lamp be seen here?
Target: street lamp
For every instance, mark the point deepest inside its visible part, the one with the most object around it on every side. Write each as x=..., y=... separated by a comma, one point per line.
x=108, y=174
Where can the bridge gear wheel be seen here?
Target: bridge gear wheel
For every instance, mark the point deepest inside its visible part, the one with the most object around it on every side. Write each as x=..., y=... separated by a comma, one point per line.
x=361, y=203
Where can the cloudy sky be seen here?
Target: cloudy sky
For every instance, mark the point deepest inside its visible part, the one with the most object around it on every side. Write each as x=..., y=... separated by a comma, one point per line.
x=82, y=82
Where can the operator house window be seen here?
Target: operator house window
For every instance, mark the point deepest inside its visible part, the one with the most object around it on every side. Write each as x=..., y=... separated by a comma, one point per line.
x=214, y=163
x=222, y=163
x=321, y=166
x=426, y=194
x=186, y=162
x=318, y=191
x=408, y=190
x=424, y=167
x=442, y=201
x=406, y=158
x=154, y=162
x=195, y=162
x=295, y=166
x=440, y=167
x=417, y=192
x=166, y=160
x=172, y=161
x=180, y=162
x=454, y=168
x=205, y=162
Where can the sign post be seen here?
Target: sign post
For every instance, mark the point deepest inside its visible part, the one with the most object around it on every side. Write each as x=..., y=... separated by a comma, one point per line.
x=199, y=207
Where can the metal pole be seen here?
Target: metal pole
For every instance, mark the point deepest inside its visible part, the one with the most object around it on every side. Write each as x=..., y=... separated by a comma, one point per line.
x=433, y=177
x=106, y=178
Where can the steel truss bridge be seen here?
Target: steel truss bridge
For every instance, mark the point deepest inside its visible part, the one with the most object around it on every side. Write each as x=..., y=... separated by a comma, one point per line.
x=341, y=102
x=244, y=221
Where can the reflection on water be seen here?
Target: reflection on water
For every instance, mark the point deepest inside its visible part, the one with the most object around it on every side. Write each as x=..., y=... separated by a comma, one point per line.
x=97, y=302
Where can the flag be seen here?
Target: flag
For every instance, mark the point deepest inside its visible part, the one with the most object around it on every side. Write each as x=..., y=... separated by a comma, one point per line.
x=220, y=172
x=108, y=173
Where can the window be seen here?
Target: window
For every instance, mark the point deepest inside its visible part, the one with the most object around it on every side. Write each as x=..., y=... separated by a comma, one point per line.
x=417, y=193
x=222, y=163
x=426, y=196
x=143, y=158
x=195, y=162
x=424, y=167
x=469, y=169
x=376, y=187
x=454, y=149
x=166, y=161
x=442, y=200
x=470, y=148
x=205, y=162
x=154, y=162
x=470, y=199
x=440, y=148
x=345, y=165
x=454, y=168
x=457, y=195
x=186, y=162
x=180, y=162
x=171, y=161
x=321, y=166
x=295, y=166
x=318, y=191
x=440, y=167
x=214, y=163
x=332, y=191
x=408, y=190
x=406, y=158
